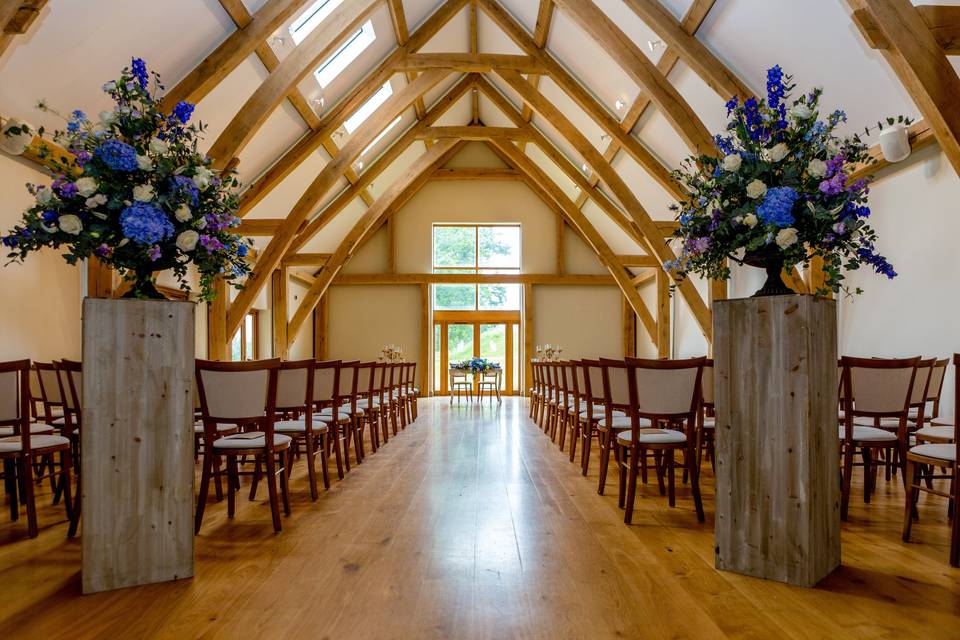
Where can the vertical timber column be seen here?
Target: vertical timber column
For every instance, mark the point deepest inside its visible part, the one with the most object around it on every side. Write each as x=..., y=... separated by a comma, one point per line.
x=629, y=328
x=99, y=279
x=778, y=477
x=528, y=337
x=279, y=295
x=321, y=328
x=137, y=442
x=217, y=339
x=663, y=314
x=425, y=360
x=561, y=246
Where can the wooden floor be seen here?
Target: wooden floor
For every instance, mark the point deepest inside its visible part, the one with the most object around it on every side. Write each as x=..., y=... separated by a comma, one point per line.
x=471, y=524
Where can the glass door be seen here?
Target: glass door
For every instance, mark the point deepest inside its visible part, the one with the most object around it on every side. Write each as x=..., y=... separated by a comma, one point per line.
x=463, y=335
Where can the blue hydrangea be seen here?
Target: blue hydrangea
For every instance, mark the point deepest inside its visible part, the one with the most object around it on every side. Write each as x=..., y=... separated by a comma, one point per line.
x=777, y=206
x=242, y=250
x=145, y=223
x=139, y=70
x=183, y=187
x=117, y=155
x=183, y=111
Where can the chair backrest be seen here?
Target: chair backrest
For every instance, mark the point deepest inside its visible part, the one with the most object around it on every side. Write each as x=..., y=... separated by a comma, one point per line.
x=665, y=389
x=616, y=384
x=363, y=381
x=325, y=382
x=15, y=399
x=580, y=380
x=878, y=387
x=956, y=407
x=49, y=387
x=918, y=395
x=706, y=384
x=295, y=385
x=935, y=388
x=380, y=382
x=594, y=381
x=70, y=379
x=238, y=393
x=457, y=374
x=346, y=372
x=36, y=394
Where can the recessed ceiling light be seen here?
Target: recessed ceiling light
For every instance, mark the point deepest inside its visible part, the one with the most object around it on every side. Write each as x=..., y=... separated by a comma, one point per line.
x=278, y=41
x=653, y=44
x=318, y=103
x=359, y=164
x=585, y=167
x=619, y=104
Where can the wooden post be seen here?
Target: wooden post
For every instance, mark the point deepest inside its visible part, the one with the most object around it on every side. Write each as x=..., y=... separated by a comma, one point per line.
x=321, y=329
x=391, y=245
x=561, y=246
x=137, y=442
x=278, y=285
x=778, y=477
x=663, y=314
x=217, y=339
x=99, y=279
x=425, y=360
x=528, y=337
x=629, y=328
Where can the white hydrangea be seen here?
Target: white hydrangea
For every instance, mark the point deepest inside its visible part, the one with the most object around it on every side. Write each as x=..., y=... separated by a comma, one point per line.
x=144, y=162
x=750, y=220
x=45, y=195
x=96, y=201
x=801, y=111
x=158, y=146
x=202, y=178
x=778, y=152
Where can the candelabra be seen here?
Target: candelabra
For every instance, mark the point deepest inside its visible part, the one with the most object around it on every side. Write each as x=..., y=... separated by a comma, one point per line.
x=391, y=353
x=548, y=353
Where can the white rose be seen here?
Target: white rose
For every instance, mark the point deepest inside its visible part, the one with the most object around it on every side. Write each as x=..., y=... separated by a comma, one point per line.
x=86, y=187
x=750, y=220
x=756, y=189
x=107, y=118
x=737, y=219
x=187, y=241
x=45, y=195
x=801, y=111
x=202, y=178
x=71, y=224
x=777, y=152
x=143, y=193
x=786, y=237
x=182, y=214
x=817, y=168
x=144, y=162
x=96, y=201
x=731, y=162
x=158, y=146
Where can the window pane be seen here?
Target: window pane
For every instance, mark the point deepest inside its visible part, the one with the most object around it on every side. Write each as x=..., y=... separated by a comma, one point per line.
x=250, y=336
x=517, y=364
x=454, y=247
x=311, y=18
x=368, y=107
x=459, y=342
x=493, y=345
x=235, y=347
x=437, y=367
x=455, y=297
x=499, y=247
x=499, y=296
x=347, y=53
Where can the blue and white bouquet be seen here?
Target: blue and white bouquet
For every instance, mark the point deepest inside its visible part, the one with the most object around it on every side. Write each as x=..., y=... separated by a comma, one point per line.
x=136, y=193
x=476, y=365
x=778, y=194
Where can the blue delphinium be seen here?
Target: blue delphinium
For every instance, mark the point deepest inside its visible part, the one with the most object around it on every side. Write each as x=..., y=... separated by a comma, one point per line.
x=183, y=111
x=777, y=206
x=139, y=70
x=117, y=155
x=145, y=223
x=183, y=187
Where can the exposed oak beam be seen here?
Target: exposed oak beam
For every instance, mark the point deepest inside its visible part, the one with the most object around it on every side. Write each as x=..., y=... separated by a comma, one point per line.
x=473, y=278
x=920, y=136
x=16, y=18
x=471, y=173
x=473, y=133
x=469, y=62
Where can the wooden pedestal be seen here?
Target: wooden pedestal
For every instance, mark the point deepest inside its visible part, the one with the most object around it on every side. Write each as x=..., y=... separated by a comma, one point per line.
x=778, y=473
x=137, y=442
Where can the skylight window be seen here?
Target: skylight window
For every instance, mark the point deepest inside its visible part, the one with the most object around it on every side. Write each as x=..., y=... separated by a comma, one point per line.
x=382, y=134
x=346, y=54
x=360, y=115
x=311, y=18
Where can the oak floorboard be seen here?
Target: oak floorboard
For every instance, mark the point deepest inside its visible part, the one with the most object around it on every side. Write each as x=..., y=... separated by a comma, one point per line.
x=471, y=524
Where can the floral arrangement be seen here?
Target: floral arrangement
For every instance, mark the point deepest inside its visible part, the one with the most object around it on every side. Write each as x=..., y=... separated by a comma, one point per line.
x=548, y=353
x=475, y=365
x=391, y=353
x=136, y=193
x=780, y=194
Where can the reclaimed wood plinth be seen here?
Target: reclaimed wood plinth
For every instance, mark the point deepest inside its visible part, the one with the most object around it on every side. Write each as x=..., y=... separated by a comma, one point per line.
x=778, y=473
x=137, y=442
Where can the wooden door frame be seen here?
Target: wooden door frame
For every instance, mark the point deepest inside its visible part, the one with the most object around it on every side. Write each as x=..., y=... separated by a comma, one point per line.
x=511, y=321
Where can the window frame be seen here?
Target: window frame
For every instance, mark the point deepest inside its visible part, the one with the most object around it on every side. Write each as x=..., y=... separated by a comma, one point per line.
x=476, y=268
x=241, y=335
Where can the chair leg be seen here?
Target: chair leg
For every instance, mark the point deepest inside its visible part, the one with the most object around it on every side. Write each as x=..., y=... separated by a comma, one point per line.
x=690, y=460
x=217, y=486
x=868, y=468
x=564, y=419
x=671, y=487
x=847, y=473
x=10, y=486
x=912, y=491
x=271, y=473
x=255, y=479
x=335, y=430
x=619, y=456
x=659, y=468
x=324, y=470
x=66, y=482
x=631, y=484
x=231, y=464
x=285, y=460
x=574, y=436
x=604, y=458
x=310, y=445
x=29, y=497
x=587, y=443
x=204, y=490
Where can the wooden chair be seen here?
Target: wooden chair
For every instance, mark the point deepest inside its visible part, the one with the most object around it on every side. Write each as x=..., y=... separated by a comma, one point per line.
x=51, y=400
x=346, y=402
x=328, y=410
x=706, y=418
x=413, y=390
x=533, y=391
x=460, y=383
x=490, y=380
x=615, y=418
x=368, y=407
x=593, y=409
x=70, y=387
x=658, y=392
x=243, y=394
x=877, y=389
x=393, y=396
x=21, y=448
x=934, y=389
x=578, y=405
x=295, y=381
x=923, y=459
x=567, y=416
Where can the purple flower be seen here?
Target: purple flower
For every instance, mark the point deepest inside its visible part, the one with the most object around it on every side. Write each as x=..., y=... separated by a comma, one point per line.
x=49, y=216
x=103, y=251
x=82, y=157
x=835, y=164
x=65, y=189
x=834, y=185
x=210, y=243
x=154, y=253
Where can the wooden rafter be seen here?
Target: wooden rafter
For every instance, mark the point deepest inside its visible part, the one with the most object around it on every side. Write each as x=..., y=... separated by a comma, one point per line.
x=474, y=49
x=691, y=22
x=335, y=115
x=642, y=71
x=474, y=133
x=691, y=51
x=242, y=18
x=16, y=18
x=920, y=136
x=402, y=32
x=316, y=47
x=541, y=31
x=584, y=99
x=918, y=59
x=942, y=20
x=545, y=109
x=331, y=173
x=407, y=183
x=471, y=173
x=231, y=52
x=582, y=279
x=469, y=62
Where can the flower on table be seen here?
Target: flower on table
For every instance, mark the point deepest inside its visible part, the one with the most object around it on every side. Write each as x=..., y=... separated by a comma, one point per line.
x=182, y=111
x=800, y=111
x=96, y=201
x=158, y=146
x=139, y=70
x=202, y=178
x=184, y=187
x=145, y=223
x=777, y=152
x=817, y=168
x=144, y=162
x=44, y=196
x=117, y=155
x=154, y=253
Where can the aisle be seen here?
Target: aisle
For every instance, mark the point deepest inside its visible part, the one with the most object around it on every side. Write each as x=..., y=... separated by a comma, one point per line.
x=471, y=524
